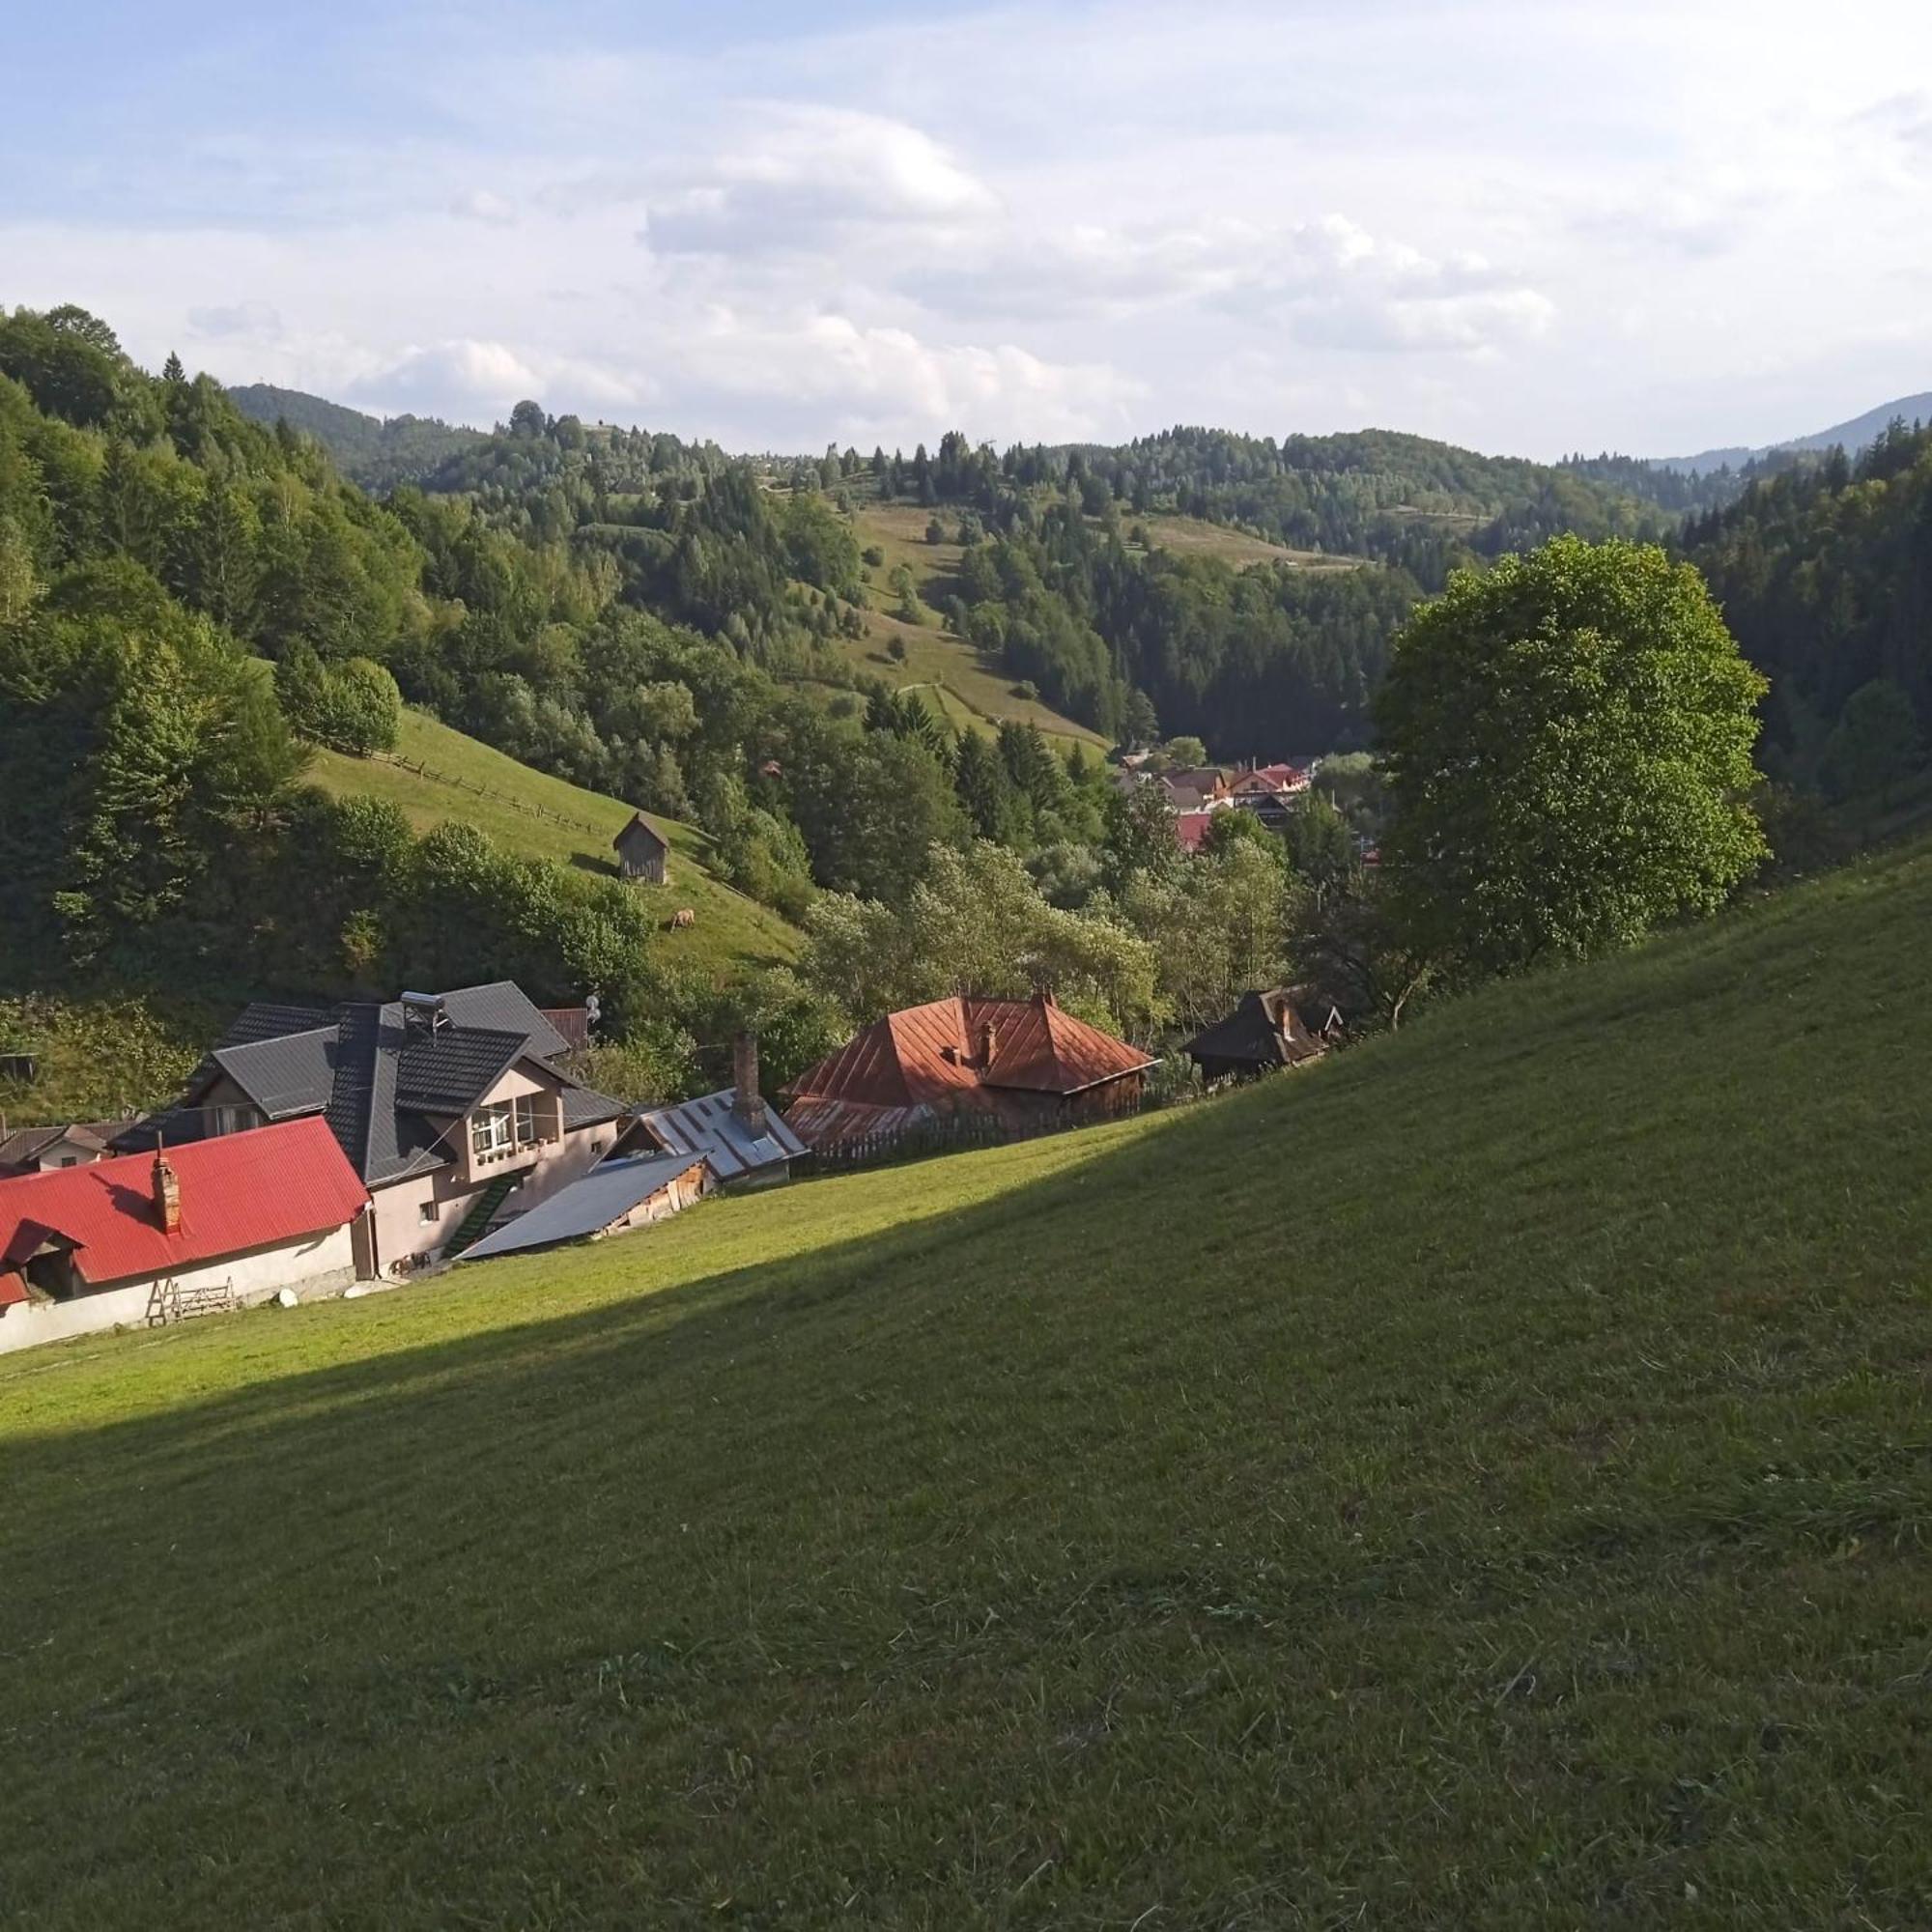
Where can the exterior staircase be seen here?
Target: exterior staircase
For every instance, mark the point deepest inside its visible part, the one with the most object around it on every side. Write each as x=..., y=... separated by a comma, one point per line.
x=475, y=1224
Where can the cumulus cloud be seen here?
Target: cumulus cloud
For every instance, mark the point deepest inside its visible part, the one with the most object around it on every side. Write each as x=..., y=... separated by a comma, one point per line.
x=472, y=381
x=861, y=383
x=1325, y=281
x=800, y=176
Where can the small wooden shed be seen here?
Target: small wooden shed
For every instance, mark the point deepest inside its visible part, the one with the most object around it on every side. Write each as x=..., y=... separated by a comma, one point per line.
x=643, y=852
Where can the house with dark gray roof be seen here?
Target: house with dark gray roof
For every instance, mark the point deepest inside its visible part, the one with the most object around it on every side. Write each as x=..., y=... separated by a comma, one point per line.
x=454, y=1108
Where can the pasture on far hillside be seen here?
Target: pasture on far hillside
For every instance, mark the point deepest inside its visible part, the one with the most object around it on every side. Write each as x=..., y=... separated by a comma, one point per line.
x=538, y=816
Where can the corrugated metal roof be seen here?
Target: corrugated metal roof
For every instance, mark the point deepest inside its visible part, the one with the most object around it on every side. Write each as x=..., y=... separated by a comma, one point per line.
x=586, y=1207
x=927, y=1054
x=710, y=1125
x=831, y=1124
x=238, y=1192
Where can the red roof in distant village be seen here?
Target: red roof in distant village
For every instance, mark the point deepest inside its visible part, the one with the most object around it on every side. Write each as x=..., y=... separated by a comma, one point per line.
x=1192, y=828
x=1272, y=778
x=238, y=1192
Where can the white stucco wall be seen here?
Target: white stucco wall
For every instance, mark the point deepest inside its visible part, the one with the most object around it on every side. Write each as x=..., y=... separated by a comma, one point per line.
x=321, y=1264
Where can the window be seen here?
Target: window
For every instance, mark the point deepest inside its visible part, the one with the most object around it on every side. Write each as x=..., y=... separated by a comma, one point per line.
x=499, y=1130
x=426, y=1214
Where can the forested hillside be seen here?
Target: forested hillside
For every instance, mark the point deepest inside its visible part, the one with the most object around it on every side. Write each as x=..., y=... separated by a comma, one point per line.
x=374, y=451
x=1825, y=573
x=1068, y=588
x=191, y=606
x=1066, y=581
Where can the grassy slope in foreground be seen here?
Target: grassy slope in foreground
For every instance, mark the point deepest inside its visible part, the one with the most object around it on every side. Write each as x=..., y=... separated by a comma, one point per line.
x=1480, y=1480
x=731, y=931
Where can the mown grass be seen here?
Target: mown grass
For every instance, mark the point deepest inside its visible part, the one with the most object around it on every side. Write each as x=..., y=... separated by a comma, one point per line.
x=732, y=932
x=1480, y=1481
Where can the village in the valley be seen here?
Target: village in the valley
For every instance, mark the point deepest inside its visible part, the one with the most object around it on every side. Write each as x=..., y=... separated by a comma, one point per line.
x=337, y=1149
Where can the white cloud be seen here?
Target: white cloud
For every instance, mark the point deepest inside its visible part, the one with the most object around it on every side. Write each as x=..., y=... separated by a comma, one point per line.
x=795, y=177
x=1325, y=282
x=473, y=381
x=1526, y=226
x=864, y=384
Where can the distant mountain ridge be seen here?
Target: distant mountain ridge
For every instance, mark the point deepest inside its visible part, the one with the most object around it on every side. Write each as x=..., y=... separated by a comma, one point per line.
x=1859, y=433
x=369, y=451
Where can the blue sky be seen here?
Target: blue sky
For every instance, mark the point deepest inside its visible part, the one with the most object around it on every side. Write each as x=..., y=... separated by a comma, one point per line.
x=1522, y=225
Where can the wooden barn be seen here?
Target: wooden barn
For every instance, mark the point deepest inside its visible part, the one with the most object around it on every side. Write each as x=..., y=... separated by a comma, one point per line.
x=642, y=852
x=1284, y=1026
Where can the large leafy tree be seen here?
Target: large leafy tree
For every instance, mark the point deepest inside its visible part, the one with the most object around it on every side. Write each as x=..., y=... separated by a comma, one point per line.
x=1567, y=742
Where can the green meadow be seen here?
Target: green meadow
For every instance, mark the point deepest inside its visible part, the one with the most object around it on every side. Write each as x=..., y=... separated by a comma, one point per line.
x=1481, y=1480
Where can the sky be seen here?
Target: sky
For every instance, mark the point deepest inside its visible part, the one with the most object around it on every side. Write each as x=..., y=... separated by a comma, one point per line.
x=1523, y=225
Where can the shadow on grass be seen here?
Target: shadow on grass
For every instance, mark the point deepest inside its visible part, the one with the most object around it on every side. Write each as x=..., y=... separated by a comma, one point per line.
x=1307, y=1470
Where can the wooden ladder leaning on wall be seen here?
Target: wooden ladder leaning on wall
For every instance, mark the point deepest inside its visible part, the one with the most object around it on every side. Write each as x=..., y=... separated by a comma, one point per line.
x=169, y=1301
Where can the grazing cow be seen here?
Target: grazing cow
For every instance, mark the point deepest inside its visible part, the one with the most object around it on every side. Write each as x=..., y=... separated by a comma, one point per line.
x=683, y=917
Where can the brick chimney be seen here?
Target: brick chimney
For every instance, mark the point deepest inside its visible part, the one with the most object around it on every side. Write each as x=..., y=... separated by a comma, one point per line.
x=989, y=1038
x=167, y=1194
x=747, y=1102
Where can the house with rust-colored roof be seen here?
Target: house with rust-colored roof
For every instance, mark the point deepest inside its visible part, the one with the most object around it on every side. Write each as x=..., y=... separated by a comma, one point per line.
x=184, y=1231
x=1000, y=1068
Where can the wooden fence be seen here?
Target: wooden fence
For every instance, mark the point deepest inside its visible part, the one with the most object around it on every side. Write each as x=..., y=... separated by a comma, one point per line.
x=458, y=783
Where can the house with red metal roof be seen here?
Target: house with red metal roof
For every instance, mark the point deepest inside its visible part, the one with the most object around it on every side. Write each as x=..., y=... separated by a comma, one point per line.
x=454, y=1108
x=997, y=1068
x=184, y=1231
